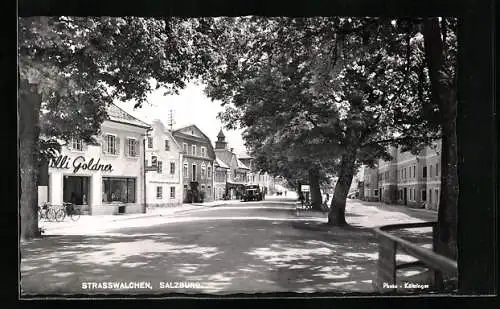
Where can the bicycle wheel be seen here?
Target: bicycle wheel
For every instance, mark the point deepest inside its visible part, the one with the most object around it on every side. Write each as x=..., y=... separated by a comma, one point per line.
x=76, y=214
x=60, y=215
x=50, y=214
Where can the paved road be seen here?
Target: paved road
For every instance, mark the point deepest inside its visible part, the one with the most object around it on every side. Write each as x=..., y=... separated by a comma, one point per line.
x=254, y=247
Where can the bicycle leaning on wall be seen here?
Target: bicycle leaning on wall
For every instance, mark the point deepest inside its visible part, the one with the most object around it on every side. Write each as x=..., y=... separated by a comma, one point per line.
x=46, y=212
x=70, y=210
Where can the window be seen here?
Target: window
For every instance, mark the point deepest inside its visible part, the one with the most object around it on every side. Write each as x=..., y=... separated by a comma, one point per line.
x=203, y=151
x=375, y=192
x=193, y=150
x=132, y=147
x=159, y=193
x=424, y=195
x=202, y=188
x=209, y=172
x=405, y=172
x=172, y=168
x=77, y=144
x=424, y=172
x=112, y=142
x=203, y=171
x=209, y=189
x=167, y=146
x=437, y=169
x=414, y=174
x=437, y=195
x=160, y=166
x=185, y=148
x=150, y=142
x=185, y=171
x=172, y=192
x=194, y=172
x=118, y=190
x=154, y=161
x=430, y=170
x=430, y=196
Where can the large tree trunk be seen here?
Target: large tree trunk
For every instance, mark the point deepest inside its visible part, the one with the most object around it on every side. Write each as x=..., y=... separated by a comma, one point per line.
x=336, y=216
x=444, y=92
x=315, y=190
x=29, y=131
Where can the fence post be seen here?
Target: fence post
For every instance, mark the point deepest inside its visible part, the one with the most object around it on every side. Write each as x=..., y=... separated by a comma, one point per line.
x=386, y=263
x=437, y=274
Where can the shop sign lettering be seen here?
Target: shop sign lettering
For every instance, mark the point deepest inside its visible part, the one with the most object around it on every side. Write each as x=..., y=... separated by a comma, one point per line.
x=79, y=163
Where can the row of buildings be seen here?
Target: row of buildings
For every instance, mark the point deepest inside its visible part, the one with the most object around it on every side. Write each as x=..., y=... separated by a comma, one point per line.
x=411, y=180
x=138, y=165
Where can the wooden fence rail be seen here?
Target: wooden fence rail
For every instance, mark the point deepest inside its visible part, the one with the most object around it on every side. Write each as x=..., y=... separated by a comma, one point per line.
x=389, y=244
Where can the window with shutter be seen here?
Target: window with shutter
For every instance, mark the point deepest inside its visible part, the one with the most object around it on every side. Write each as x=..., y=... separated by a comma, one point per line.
x=117, y=147
x=104, y=144
x=137, y=148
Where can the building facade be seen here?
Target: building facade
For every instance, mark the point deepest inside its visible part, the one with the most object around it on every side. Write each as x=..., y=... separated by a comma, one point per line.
x=164, y=186
x=220, y=179
x=237, y=174
x=197, y=164
x=411, y=180
x=107, y=178
x=255, y=176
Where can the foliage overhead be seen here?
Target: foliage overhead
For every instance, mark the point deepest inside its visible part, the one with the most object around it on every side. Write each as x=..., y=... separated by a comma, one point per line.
x=81, y=64
x=315, y=88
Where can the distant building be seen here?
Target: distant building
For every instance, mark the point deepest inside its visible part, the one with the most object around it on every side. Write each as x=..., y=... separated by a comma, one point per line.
x=237, y=175
x=407, y=179
x=197, y=164
x=220, y=179
x=255, y=176
x=164, y=186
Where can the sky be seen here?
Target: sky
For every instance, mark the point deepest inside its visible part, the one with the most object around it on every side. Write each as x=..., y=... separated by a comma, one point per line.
x=190, y=106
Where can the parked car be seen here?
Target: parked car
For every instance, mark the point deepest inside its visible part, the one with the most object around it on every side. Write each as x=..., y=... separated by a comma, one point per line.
x=253, y=193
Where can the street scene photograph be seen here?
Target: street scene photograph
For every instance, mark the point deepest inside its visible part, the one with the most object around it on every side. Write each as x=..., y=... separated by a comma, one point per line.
x=167, y=156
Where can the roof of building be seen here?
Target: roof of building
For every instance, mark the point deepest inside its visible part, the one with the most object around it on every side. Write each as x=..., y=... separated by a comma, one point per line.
x=162, y=127
x=241, y=165
x=117, y=114
x=245, y=155
x=221, y=134
x=220, y=163
x=180, y=131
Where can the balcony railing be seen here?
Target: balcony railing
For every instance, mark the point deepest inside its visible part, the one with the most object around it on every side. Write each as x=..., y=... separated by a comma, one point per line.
x=389, y=244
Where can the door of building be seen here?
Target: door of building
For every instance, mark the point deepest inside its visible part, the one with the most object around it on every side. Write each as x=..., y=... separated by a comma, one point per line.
x=76, y=190
x=405, y=196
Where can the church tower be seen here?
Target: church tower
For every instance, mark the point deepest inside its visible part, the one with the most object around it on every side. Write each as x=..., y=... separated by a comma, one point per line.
x=221, y=141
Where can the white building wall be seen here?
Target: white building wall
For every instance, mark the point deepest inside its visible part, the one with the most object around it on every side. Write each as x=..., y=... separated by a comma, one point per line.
x=165, y=179
x=122, y=166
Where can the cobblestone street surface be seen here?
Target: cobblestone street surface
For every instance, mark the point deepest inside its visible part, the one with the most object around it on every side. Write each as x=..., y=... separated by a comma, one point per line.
x=233, y=248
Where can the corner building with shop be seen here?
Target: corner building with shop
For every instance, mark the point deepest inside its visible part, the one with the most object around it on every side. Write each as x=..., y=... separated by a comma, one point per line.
x=102, y=179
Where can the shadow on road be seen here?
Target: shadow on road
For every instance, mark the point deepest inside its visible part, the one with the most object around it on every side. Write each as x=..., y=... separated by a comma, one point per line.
x=225, y=256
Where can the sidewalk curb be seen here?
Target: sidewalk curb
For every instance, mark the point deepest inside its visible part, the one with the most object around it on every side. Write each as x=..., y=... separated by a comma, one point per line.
x=400, y=207
x=167, y=215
